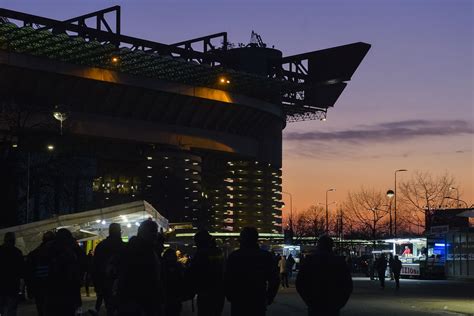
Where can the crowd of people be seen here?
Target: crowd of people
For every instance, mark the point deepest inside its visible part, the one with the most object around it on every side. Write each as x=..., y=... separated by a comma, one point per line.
x=143, y=278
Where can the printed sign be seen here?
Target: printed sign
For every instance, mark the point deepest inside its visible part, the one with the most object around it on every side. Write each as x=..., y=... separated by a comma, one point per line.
x=410, y=269
x=441, y=229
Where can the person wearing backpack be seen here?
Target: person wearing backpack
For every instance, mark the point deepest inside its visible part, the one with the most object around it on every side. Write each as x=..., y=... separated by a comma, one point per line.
x=105, y=268
x=324, y=281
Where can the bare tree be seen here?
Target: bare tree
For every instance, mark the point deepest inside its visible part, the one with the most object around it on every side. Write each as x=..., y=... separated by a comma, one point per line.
x=310, y=223
x=422, y=194
x=369, y=209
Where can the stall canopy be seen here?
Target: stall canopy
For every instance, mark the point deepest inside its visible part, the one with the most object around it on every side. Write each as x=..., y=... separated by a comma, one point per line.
x=469, y=212
x=89, y=225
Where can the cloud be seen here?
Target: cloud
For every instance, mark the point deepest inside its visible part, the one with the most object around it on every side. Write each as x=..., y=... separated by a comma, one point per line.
x=387, y=132
x=354, y=142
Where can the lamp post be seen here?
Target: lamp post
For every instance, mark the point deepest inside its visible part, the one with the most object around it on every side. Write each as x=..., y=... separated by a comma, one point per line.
x=327, y=211
x=457, y=194
x=450, y=198
x=291, y=209
x=60, y=114
x=390, y=195
x=395, y=199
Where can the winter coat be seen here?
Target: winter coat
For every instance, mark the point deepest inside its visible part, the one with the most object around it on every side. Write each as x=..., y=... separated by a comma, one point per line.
x=396, y=266
x=282, y=265
x=252, y=279
x=12, y=269
x=324, y=283
x=106, y=258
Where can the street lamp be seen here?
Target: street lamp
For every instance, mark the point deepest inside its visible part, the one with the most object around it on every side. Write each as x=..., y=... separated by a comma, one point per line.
x=390, y=195
x=457, y=193
x=327, y=212
x=60, y=114
x=395, y=199
x=448, y=197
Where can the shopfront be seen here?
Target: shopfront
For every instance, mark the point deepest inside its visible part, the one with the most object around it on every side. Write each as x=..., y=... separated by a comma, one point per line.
x=460, y=254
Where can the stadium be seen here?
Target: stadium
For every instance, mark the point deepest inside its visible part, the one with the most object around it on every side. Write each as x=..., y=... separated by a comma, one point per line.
x=91, y=118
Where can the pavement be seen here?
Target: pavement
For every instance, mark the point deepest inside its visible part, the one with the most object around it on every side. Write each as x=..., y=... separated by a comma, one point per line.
x=415, y=297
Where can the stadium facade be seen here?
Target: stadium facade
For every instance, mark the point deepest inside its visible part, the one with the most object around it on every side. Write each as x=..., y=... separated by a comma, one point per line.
x=92, y=118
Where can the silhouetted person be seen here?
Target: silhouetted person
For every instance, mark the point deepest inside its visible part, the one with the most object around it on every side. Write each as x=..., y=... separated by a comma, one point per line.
x=276, y=260
x=390, y=263
x=140, y=287
x=381, y=267
x=65, y=260
x=290, y=262
x=37, y=263
x=396, y=269
x=88, y=272
x=251, y=277
x=173, y=280
x=11, y=272
x=349, y=263
x=324, y=281
x=105, y=266
x=283, y=272
x=206, y=275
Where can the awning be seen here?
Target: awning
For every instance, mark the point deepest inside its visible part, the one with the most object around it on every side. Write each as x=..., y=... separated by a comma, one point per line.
x=88, y=225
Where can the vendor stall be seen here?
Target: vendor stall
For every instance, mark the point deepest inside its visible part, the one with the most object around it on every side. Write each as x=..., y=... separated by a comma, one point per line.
x=412, y=252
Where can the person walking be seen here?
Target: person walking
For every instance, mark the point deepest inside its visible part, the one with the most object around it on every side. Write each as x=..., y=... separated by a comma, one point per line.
x=37, y=272
x=390, y=264
x=381, y=266
x=140, y=284
x=290, y=262
x=324, y=282
x=12, y=269
x=283, y=272
x=88, y=272
x=105, y=269
x=251, y=277
x=173, y=282
x=396, y=269
x=206, y=275
x=65, y=263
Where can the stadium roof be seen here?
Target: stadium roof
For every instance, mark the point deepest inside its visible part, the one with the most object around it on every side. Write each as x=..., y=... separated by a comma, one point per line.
x=307, y=84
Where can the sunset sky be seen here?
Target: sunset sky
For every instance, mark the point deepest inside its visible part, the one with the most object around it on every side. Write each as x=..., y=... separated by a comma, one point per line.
x=409, y=105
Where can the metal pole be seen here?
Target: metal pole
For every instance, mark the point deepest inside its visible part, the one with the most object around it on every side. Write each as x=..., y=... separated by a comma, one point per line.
x=457, y=191
x=342, y=225
x=291, y=209
x=327, y=211
x=28, y=189
x=390, y=213
x=327, y=214
x=395, y=202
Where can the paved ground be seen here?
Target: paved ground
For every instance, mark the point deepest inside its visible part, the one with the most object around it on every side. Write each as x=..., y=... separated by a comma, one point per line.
x=416, y=297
